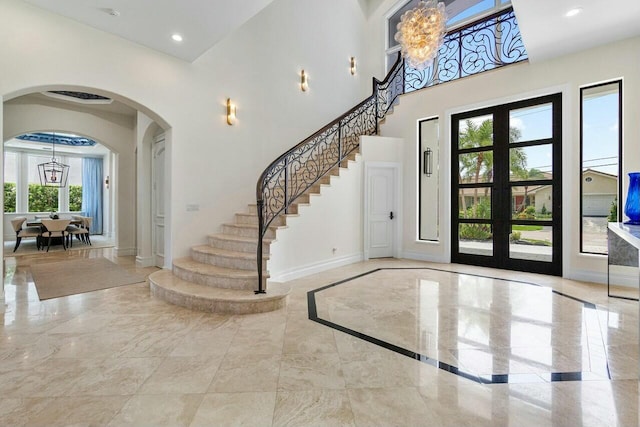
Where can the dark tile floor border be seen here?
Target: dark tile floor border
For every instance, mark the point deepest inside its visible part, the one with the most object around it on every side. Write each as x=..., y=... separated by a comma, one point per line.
x=482, y=379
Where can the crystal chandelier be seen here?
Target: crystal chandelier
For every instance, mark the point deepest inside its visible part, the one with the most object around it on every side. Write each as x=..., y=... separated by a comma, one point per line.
x=53, y=173
x=420, y=33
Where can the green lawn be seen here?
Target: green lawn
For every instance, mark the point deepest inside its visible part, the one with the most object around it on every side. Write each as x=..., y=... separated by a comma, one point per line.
x=526, y=227
x=538, y=242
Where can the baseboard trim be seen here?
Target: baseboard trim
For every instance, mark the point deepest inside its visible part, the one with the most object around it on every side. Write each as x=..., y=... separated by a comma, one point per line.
x=145, y=261
x=625, y=276
x=419, y=256
x=588, y=276
x=316, y=267
x=125, y=251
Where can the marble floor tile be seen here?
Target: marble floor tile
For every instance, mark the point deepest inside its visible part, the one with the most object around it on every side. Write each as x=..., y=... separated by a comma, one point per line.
x=313, y=408
x=258, y=341
x=247, y=372
x=114, y=376
x=91, y=345
x=383, y=368
x=121, y=357
x=389, y=406
x=158, y=410
x=82, y=410
x=151, y=344
x=50, y=378
x=204, y=342
x=346, y=343
x=18, y=411
x=235, y=409
x=182, y=375
x=311, y=371
x=304, y=336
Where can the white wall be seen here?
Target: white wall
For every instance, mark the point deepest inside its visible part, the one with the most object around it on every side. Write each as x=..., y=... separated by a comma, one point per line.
x=565, y=74
x=212, y=165
x=326, y=234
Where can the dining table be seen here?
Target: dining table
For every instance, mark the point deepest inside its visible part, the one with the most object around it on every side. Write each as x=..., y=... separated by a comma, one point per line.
x=37, y=222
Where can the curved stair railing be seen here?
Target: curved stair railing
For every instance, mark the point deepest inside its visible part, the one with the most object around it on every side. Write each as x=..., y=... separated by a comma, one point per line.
x=297, y=170
x=484, y=45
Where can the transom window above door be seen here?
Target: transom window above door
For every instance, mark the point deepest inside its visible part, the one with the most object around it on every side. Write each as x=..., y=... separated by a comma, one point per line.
x=459, y=12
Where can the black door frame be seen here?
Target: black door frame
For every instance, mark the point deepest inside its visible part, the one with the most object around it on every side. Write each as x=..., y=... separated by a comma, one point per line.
x=501, y=220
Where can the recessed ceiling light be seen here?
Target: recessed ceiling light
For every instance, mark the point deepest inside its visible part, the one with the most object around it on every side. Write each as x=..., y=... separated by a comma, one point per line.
x=573, y=12
x=176, y=37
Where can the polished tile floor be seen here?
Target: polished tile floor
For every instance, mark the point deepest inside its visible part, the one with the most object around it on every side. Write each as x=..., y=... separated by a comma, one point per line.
x=119, y=357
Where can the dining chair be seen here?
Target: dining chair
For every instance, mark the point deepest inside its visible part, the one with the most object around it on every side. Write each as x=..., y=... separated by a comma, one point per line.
x=79, y=230
x=55, y=228
x=17, y=223
x=86, y=223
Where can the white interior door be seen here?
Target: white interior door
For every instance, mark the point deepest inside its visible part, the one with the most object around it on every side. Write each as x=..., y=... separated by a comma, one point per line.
x=157, y=202
x=382, y=215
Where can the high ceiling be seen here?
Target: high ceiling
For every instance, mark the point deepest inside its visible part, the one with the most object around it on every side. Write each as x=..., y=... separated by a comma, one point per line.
x=151, y=23
x=546, y=31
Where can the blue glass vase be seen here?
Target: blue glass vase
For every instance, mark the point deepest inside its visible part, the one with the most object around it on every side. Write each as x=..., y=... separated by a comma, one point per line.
x=632, y=205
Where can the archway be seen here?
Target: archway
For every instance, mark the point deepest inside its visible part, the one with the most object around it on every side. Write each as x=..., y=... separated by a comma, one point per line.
x=124, y=134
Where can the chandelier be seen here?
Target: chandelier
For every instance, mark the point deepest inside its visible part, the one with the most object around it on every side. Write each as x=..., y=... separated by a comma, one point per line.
x=420, y=33
x=53, y=173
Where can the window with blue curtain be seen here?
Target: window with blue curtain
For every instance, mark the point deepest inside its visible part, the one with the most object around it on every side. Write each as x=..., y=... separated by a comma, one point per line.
x=92, y=191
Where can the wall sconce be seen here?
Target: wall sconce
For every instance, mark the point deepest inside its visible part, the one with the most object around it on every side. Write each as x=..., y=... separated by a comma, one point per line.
x=231, y=112
x=303, y=81
x=427, y=162
x=106, y=182
x=352, y=65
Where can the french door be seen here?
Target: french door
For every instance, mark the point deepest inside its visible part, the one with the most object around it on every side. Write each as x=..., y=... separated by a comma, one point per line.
x=507, y=186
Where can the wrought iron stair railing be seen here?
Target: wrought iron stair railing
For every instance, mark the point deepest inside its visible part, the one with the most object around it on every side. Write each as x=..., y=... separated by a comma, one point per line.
x=487, y=44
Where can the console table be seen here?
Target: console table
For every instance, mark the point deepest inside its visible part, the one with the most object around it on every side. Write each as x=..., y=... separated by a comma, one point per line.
x=624, y=247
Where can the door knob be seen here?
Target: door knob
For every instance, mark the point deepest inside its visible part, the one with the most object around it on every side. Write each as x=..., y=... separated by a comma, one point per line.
x=391, y=215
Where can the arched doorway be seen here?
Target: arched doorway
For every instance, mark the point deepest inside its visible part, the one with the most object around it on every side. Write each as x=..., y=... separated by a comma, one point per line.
x=122, y=126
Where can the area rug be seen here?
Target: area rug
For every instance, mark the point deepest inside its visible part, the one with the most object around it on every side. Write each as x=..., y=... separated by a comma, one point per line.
x=58, y=279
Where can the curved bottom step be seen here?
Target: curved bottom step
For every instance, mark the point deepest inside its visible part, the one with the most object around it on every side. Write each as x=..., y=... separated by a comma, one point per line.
x=165, y=286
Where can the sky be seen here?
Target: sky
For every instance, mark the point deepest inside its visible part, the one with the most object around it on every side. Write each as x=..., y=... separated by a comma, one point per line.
x=600, y=133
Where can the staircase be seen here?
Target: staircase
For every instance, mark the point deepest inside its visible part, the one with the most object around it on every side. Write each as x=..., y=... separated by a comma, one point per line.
x=221, y=276
x=225, y=275
x=229, y=274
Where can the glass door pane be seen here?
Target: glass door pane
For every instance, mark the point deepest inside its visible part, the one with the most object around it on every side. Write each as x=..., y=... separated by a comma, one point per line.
x=476, y=239
x=475, y=165
x=475, y=132
x=507, y=196
x=601, y=123
x=531, y=242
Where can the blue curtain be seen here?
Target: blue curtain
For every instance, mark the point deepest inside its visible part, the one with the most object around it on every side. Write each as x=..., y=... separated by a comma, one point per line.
x=92, y=192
